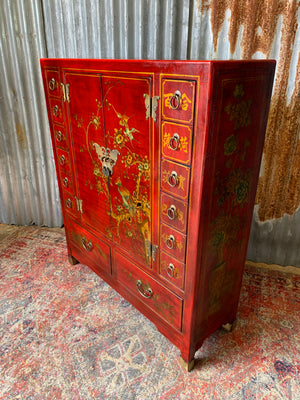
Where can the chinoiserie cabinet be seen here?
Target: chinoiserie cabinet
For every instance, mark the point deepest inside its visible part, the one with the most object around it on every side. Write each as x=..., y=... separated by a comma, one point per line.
x=157, y=164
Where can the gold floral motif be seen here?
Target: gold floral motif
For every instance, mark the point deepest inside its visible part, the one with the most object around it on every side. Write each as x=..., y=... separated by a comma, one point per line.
x=230, y=145
x=239, y=112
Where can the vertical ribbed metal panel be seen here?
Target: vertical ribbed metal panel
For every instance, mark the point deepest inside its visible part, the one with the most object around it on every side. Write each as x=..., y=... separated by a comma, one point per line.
x=148, y=29
x=28, y=190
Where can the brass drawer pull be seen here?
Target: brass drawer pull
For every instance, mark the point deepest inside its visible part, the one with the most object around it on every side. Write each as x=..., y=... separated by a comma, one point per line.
x=52, y=84
x=171, y=242
x=88, y=246
x=62, y=160
x=55, y=111
x=175, y=100
x=59, y=136
x=173, y=179
x=69, y=203
x=171, y=270
x=147, y=293
x=65, y=182
x=171, y=212
x=174, y=141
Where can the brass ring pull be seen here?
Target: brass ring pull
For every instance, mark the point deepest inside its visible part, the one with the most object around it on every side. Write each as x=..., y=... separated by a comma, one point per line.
x=147, y=293
x=171, y=242
x=173, y=179
x=69, y=203
x=171, y=270
x=175, y=100
x=55, y=111
x=52, y=84
x=171, y=212
x=65, y=182
x=174, y=142
x=59, y=136
x=62, y=160
x=88, y=246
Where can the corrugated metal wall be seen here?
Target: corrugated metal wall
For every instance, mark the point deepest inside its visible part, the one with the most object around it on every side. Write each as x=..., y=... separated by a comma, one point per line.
x=149, y=29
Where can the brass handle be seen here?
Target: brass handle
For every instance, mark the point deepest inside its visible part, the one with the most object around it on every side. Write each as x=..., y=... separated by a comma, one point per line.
x=171, y=270
x=174, y=142
x=147, y=293
x=65, y=182
x=88, y=246
x=175, y=100
x=69, y=203
x=171, y=242
x=171, y=212
x=52, y=84
x=59, y=136
x=55, y=111
x=173, y=179
x=62, y=160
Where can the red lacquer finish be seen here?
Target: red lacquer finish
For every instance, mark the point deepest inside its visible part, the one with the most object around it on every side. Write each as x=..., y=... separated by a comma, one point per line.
x=157, y=164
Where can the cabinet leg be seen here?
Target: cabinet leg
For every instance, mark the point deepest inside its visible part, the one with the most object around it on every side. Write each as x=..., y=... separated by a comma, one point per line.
x=230, y=326
x=72, y=260
x=188, y=366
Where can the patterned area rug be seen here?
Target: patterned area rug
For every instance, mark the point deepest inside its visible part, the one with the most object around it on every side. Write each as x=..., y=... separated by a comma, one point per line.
x=65, y=334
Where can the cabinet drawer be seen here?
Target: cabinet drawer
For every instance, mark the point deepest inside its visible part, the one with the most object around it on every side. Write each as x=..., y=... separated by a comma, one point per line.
x=172, y=269
x=155, y=296
x=89, y=245
x=174, y=212
x=173, y=242
x=178, y=100
x=60, y=137
x=175, y=179
x=69, y=203
x=53, y=84
x=177, y=142
x=56, y=110
x=63, y=160
x=66, y=181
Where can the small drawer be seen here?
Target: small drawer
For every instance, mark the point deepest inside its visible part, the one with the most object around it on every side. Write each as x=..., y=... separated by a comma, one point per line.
x=69, y=203
x=178, y=100
x=176, y=142
x=56, y=111
x=60, y=137
x=66, y=181
x=174, y=212
x=53, y=83
x=172, y=270
x=173, y=242
x=175, y=179
x=63, y=160
x=90, y=245
x=153, y=295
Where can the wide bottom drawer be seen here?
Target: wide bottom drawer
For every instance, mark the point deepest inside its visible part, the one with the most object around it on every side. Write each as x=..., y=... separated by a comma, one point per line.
x=89, y=245
x=156, y=297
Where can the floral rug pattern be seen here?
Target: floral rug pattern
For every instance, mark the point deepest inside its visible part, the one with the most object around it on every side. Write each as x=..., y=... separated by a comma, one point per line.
x=65, y=334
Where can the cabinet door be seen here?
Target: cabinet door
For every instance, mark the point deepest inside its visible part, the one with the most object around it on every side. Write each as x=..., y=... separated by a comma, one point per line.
x=128, y=135
x=87, y=136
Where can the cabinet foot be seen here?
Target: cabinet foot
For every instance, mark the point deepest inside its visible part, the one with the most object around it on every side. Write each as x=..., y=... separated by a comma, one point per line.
x=188, y=366
x=72, y=260
x=230, y=326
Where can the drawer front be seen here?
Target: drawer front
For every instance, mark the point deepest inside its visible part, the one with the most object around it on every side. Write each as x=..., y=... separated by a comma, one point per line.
x=172, y=242
x=175, y=179
x=53, y=84
x=56, y=111
x=178, y=100
x=155, y=296
x=63, y=160
x=60, y=137
x=90, y=245
x=176, y=142
x=172, y=269
x=69, y=204
x=67, y=181
x=174, y=212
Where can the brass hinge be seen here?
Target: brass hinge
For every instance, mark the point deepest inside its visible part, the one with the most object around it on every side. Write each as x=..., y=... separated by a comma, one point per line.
x=66, y=91
x=151, y=104
x=151, y=249
x=79, y=204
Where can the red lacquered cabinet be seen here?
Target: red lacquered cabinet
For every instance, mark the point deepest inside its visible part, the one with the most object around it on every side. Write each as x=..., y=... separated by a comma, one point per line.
x=157, y=164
